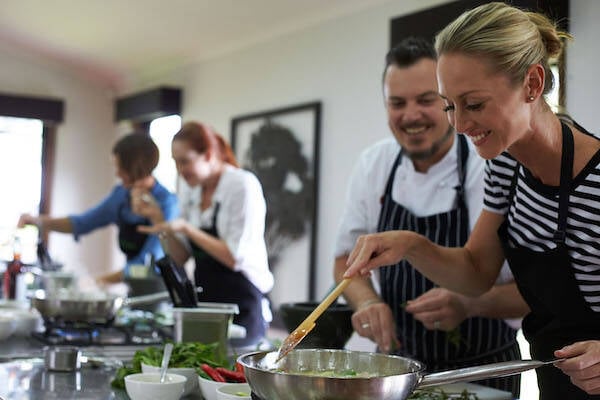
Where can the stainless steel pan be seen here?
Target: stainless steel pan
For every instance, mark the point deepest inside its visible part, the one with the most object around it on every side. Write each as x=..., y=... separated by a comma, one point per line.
x=390, y=377
x=82, y=307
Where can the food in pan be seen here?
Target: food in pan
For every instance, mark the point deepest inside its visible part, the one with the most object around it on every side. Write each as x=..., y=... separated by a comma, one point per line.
x=329, y=373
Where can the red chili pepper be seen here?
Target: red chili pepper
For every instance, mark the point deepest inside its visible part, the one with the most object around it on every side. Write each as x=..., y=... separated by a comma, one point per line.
x=239, y=367
x=212, y=373
x=231, y=375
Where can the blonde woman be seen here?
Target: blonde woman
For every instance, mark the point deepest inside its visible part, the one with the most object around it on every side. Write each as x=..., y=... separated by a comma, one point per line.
x=542, y=197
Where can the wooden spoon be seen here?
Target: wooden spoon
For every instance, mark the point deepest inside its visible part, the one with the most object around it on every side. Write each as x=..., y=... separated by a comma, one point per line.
x=309, y=323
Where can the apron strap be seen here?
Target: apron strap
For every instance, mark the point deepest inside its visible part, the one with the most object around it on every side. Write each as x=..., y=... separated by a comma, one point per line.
x=566, y=172
x=462, y=154
x=215, y=213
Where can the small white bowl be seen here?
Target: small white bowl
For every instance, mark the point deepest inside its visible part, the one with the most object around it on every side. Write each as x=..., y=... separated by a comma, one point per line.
x=209, y=387
x=191, y=385
x=146, y=386
x=234, y=391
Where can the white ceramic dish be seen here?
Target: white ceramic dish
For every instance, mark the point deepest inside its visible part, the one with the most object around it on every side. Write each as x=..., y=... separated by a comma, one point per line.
x=209, y=387
x=191, y=385
x=234, y=391
x=147, y=386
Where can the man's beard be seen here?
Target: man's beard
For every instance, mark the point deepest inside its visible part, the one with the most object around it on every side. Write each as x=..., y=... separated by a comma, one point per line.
x=435, y=147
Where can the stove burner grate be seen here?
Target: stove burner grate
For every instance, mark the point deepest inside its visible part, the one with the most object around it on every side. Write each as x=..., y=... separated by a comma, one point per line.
x=89, y=333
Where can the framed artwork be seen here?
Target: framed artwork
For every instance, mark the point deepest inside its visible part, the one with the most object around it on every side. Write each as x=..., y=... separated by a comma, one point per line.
x=281, y=147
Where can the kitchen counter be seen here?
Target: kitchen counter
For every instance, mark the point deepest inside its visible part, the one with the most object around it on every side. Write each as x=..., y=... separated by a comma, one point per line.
x=23, y=375
x=28, y=379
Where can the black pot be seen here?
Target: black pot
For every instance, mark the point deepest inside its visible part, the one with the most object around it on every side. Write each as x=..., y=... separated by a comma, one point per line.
x=333, y=328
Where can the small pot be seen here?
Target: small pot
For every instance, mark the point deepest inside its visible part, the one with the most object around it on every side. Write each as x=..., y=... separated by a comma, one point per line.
x=62, y=358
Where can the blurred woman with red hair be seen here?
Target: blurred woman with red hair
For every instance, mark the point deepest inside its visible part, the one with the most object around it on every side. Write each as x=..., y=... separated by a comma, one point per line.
x=222, y=227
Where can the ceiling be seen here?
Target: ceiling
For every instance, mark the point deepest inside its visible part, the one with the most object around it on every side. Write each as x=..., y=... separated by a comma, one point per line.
x=115, y=41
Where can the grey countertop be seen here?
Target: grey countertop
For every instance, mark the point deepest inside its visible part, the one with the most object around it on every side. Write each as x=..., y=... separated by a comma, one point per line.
x=23, y=375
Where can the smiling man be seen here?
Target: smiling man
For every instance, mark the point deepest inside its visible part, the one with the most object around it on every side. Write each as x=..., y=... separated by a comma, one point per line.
x=429, y=180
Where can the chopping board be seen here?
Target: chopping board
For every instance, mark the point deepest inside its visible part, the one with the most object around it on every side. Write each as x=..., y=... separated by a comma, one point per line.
x=482, y=392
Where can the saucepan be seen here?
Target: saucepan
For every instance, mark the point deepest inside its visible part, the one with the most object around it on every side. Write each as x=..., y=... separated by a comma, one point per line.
x=324, y=374
x=87, y=307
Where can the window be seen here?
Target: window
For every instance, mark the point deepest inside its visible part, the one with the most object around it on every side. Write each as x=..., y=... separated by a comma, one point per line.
x=162, y=131
x=553, y=98
x=21, y=146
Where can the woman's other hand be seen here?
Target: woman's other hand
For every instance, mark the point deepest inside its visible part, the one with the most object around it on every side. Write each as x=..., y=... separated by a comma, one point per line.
x=28, y=219
x=176, y=225
x=582, y=364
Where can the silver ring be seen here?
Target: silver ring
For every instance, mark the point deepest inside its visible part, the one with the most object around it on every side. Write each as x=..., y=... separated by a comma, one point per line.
x=436, y=325
x=365, y=325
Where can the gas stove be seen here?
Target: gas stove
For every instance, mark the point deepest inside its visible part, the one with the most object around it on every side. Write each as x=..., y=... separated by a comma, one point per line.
x=119, y=338
x=89, y=334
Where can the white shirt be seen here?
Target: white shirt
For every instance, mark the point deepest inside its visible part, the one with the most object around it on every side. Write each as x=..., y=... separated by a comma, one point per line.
x=422, y=194
x=240, y=221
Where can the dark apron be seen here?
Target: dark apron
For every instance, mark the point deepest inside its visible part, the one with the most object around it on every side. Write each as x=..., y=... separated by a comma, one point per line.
x=131, y=241
x=482, y=340
x=559, y=315
x=222, y=285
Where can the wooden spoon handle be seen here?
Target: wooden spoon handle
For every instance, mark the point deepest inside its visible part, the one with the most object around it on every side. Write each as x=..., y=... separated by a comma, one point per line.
x=335, y=293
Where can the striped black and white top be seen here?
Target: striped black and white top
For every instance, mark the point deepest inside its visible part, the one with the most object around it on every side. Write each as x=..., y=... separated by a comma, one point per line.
x=533, y=217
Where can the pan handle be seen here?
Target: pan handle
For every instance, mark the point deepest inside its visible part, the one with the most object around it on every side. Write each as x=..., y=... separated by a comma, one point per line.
x=146, y=299
x=494, y=370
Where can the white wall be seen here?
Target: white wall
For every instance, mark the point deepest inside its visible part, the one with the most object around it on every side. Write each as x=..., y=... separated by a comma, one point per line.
x=338, y=63
x=83, y=172
x=583, y=79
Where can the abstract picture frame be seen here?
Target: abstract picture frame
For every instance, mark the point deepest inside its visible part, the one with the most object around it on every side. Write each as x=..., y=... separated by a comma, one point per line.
x=281, y=147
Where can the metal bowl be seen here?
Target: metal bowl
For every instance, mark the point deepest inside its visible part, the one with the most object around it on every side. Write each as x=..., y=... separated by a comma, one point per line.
x=62, y=358
x=389, y=377
x=394, y=377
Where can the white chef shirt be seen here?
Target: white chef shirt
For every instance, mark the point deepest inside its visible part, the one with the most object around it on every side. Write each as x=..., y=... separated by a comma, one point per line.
x=422, y=194
x=240, y=221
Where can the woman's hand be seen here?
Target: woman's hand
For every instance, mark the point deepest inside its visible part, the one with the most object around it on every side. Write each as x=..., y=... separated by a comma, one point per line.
x=28, y=219
x=144, y=204
x=176, y=225
x=582, y=364
x=376, y=250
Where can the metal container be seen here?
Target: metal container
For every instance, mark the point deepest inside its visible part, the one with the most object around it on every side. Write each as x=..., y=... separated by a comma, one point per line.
x=62, y=358
x=319, y=374
x=207, y=323
x=56, y=281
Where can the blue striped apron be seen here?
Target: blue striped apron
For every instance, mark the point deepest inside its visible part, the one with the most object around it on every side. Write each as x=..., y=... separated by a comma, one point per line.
x=483, y=340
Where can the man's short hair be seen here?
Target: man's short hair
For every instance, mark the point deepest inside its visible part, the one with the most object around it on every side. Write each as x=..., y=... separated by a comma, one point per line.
x=408, y=51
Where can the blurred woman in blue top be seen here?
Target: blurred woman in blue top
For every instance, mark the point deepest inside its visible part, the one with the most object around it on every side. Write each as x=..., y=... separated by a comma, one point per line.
x=135, y=156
